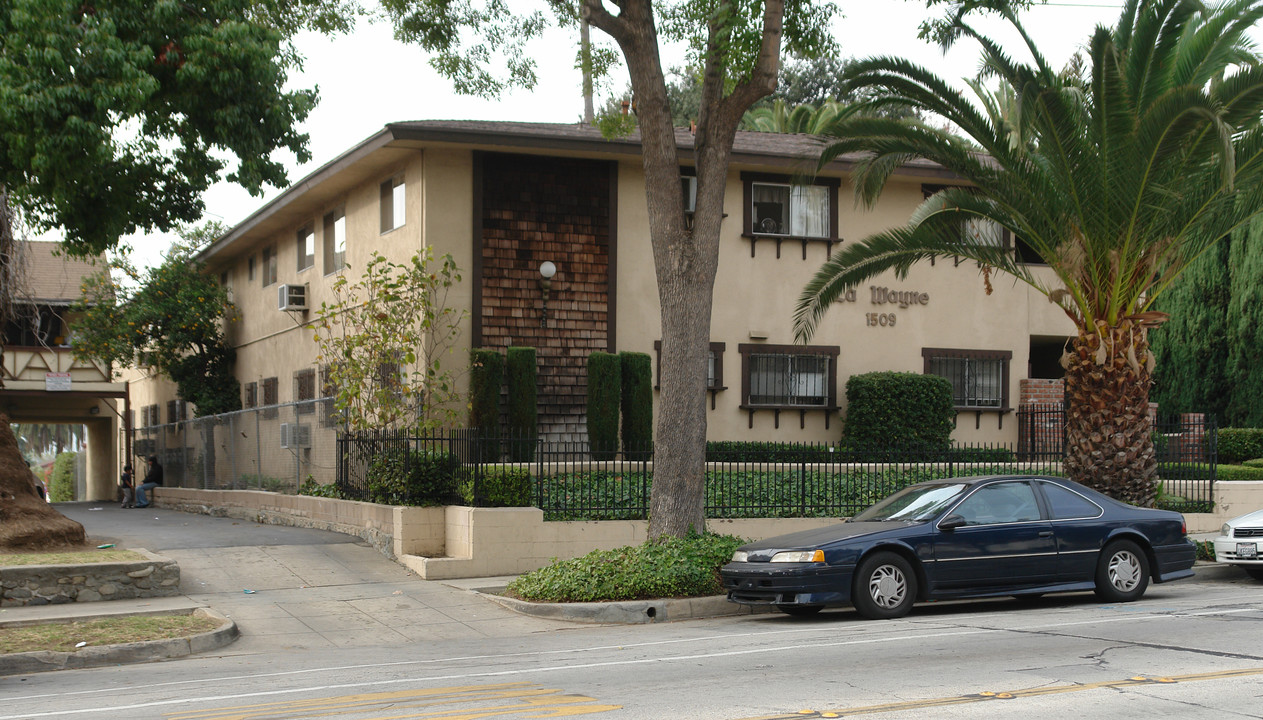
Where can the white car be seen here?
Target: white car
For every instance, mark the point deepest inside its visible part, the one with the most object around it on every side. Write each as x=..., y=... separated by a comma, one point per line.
x=1239, y=543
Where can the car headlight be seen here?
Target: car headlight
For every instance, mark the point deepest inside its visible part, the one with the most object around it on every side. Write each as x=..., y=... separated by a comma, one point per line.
x=799, y=556
x=740, y=556
x=1226, y=530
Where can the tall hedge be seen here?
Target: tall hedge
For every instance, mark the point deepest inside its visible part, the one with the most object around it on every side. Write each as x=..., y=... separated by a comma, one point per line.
x=521, y=366
x=637, y=404
x=899, y=411
x=1245, y=328
x=1191, y=348
x=486, y=375
x=604, y=398
x=61, y=487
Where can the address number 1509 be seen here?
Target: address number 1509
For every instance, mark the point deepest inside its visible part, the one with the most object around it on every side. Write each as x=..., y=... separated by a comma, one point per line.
x=880, y=319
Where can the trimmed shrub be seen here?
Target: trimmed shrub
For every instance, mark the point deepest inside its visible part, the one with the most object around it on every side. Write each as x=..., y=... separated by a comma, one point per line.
x=667, y=567
x=522, y=367
x=496, y=487
x=901, y=412
x=486, y=375
x=604, y=396
x=1255, y=463
x=61, y=486
x=412, y=477
x=637, y=405
x=1238, y=444
x=772, y=452
x=1222, y=472
x=314, y=489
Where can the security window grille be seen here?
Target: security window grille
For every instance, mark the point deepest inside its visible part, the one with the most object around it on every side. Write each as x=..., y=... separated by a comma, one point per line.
x=306, y=246
x=251, y=395
x=305, y=390
x=979, y=378
x=788, y=380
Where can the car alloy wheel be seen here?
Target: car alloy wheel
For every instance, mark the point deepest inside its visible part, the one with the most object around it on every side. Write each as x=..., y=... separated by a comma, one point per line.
x=885, y=586
x=1122, y=573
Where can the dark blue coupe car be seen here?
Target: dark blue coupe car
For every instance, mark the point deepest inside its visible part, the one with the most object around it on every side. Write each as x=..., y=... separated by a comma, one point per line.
x=966, y=537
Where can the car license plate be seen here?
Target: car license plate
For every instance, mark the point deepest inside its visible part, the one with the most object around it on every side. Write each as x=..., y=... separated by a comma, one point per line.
x=1247, y=551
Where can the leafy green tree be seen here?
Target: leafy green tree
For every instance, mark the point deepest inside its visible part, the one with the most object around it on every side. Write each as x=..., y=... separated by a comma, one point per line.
x=170, y=318
x=384, y=339
x=1119, y=181
x=819, y=81
x=1245, y=327
x=738, y=47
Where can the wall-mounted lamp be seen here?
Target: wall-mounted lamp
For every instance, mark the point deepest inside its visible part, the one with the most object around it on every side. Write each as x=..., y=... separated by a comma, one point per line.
x=94, y=410
x=546, y=271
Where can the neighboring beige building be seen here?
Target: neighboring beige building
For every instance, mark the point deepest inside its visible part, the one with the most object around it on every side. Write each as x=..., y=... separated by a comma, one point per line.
x=503, y=198
x=43, y=382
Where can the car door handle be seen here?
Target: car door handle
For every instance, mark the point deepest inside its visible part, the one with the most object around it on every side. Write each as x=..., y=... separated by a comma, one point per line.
x=1046, y=533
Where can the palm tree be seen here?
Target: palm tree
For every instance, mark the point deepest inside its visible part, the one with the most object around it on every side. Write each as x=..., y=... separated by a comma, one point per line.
x=782, y=117
x=1118, y=180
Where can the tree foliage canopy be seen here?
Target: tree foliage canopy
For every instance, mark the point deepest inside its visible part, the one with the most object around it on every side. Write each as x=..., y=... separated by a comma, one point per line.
x=115, y=116
x=170, y=318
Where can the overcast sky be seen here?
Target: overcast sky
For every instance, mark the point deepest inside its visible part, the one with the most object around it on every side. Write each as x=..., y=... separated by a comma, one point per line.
x=368, y=79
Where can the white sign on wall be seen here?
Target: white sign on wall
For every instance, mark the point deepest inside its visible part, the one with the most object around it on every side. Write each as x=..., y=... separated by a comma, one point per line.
x=57, y=382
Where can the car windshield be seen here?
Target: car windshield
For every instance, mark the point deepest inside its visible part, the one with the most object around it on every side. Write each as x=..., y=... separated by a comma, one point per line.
x=917, y=503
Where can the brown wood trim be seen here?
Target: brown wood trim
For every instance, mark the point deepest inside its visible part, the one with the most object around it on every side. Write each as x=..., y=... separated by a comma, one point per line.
x=747, y=199
x=475, y=320
x=747, y=349
x=1005, y=355
x=611, y=265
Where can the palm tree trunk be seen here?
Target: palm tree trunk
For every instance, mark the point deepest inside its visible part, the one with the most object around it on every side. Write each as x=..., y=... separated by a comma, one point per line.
x=1109, y=436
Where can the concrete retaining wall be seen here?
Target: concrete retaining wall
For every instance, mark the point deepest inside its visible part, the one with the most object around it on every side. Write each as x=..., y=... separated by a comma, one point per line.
x=156, y=576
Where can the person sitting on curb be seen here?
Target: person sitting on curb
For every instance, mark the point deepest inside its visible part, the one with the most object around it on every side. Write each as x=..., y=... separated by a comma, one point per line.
x=153, y=478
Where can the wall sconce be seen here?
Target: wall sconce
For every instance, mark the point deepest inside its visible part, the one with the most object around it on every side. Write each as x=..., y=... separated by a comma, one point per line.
x=546, y=271
x=94, y=410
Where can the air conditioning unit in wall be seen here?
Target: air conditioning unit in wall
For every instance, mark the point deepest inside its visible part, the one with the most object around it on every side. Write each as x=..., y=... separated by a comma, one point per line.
x=292, y=297
x=294, y=435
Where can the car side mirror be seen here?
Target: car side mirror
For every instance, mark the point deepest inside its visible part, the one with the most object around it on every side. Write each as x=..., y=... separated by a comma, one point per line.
x=951, y=522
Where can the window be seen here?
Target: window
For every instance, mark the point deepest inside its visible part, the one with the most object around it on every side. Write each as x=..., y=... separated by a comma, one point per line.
x=335, y=240
x=149, y=415
x=1065, y=504
x=393, y=203
x=269, y=397
x=177, y=411
x=250, y=269
x=269, y=265
x=979, y=378
x=1009, y=502
x=306, y=247
x=714, y=366
x=788, y=376
x=251, y=395
x=329, y=415
x=305, y=391
x=774, y=206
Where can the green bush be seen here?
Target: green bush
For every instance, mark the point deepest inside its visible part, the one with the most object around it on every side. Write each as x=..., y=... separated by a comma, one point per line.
x=496, y=487
x=637, y=405
x=604, y=396
x=522, y=369
x=486, y=375
x=1255, y=463
x=61, y=488
x=899, y=412
x=1205, y=550
x=315, y=489
x=1238, y=472
x=412, y=477
x=1239, y=444
x=771, y=452
x=669, y=567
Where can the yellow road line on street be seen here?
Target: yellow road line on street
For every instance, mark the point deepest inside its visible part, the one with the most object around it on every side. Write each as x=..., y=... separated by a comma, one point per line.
x=466, y=702
x=991, y=696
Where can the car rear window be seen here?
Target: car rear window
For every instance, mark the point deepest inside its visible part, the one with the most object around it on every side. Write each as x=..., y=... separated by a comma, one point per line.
x=1067, y=505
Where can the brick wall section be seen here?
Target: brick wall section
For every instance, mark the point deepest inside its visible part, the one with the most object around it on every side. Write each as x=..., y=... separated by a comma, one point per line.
x=1036, y=391
x=536, y=209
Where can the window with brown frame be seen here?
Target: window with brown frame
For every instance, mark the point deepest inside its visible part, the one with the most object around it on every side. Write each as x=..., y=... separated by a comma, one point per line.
x=979, y=378
x=788, y=376
x=335, y=240
x=393, y=205
x=270, y=399
x=269, y=265
x=776, y=207
x=251, y=391
x=305, y=244
x=305, y=391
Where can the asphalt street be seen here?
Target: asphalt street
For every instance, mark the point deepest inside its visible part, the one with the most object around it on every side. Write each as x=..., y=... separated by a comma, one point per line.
x=1190, y=649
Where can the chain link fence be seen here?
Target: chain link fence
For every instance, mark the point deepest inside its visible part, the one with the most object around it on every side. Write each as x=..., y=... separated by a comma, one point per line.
x=273, y=448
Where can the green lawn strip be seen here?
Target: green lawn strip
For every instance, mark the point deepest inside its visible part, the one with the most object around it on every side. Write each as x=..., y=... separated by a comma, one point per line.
x=9, y=559
x=63, y=637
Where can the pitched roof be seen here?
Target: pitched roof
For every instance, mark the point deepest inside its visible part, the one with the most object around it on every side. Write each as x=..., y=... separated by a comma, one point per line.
x=44, y=275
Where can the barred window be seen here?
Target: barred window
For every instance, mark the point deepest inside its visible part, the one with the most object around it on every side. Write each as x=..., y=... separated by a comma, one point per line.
x=305, y=390
x=251, y=395
x=788, y=376
x=979, y=378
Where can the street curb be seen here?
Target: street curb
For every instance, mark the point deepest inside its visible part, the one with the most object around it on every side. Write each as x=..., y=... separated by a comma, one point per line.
x=1219, y=572
x=127, y=653
x=628, y=612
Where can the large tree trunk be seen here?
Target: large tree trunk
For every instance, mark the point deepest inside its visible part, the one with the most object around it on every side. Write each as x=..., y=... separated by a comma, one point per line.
x=1109, y=437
